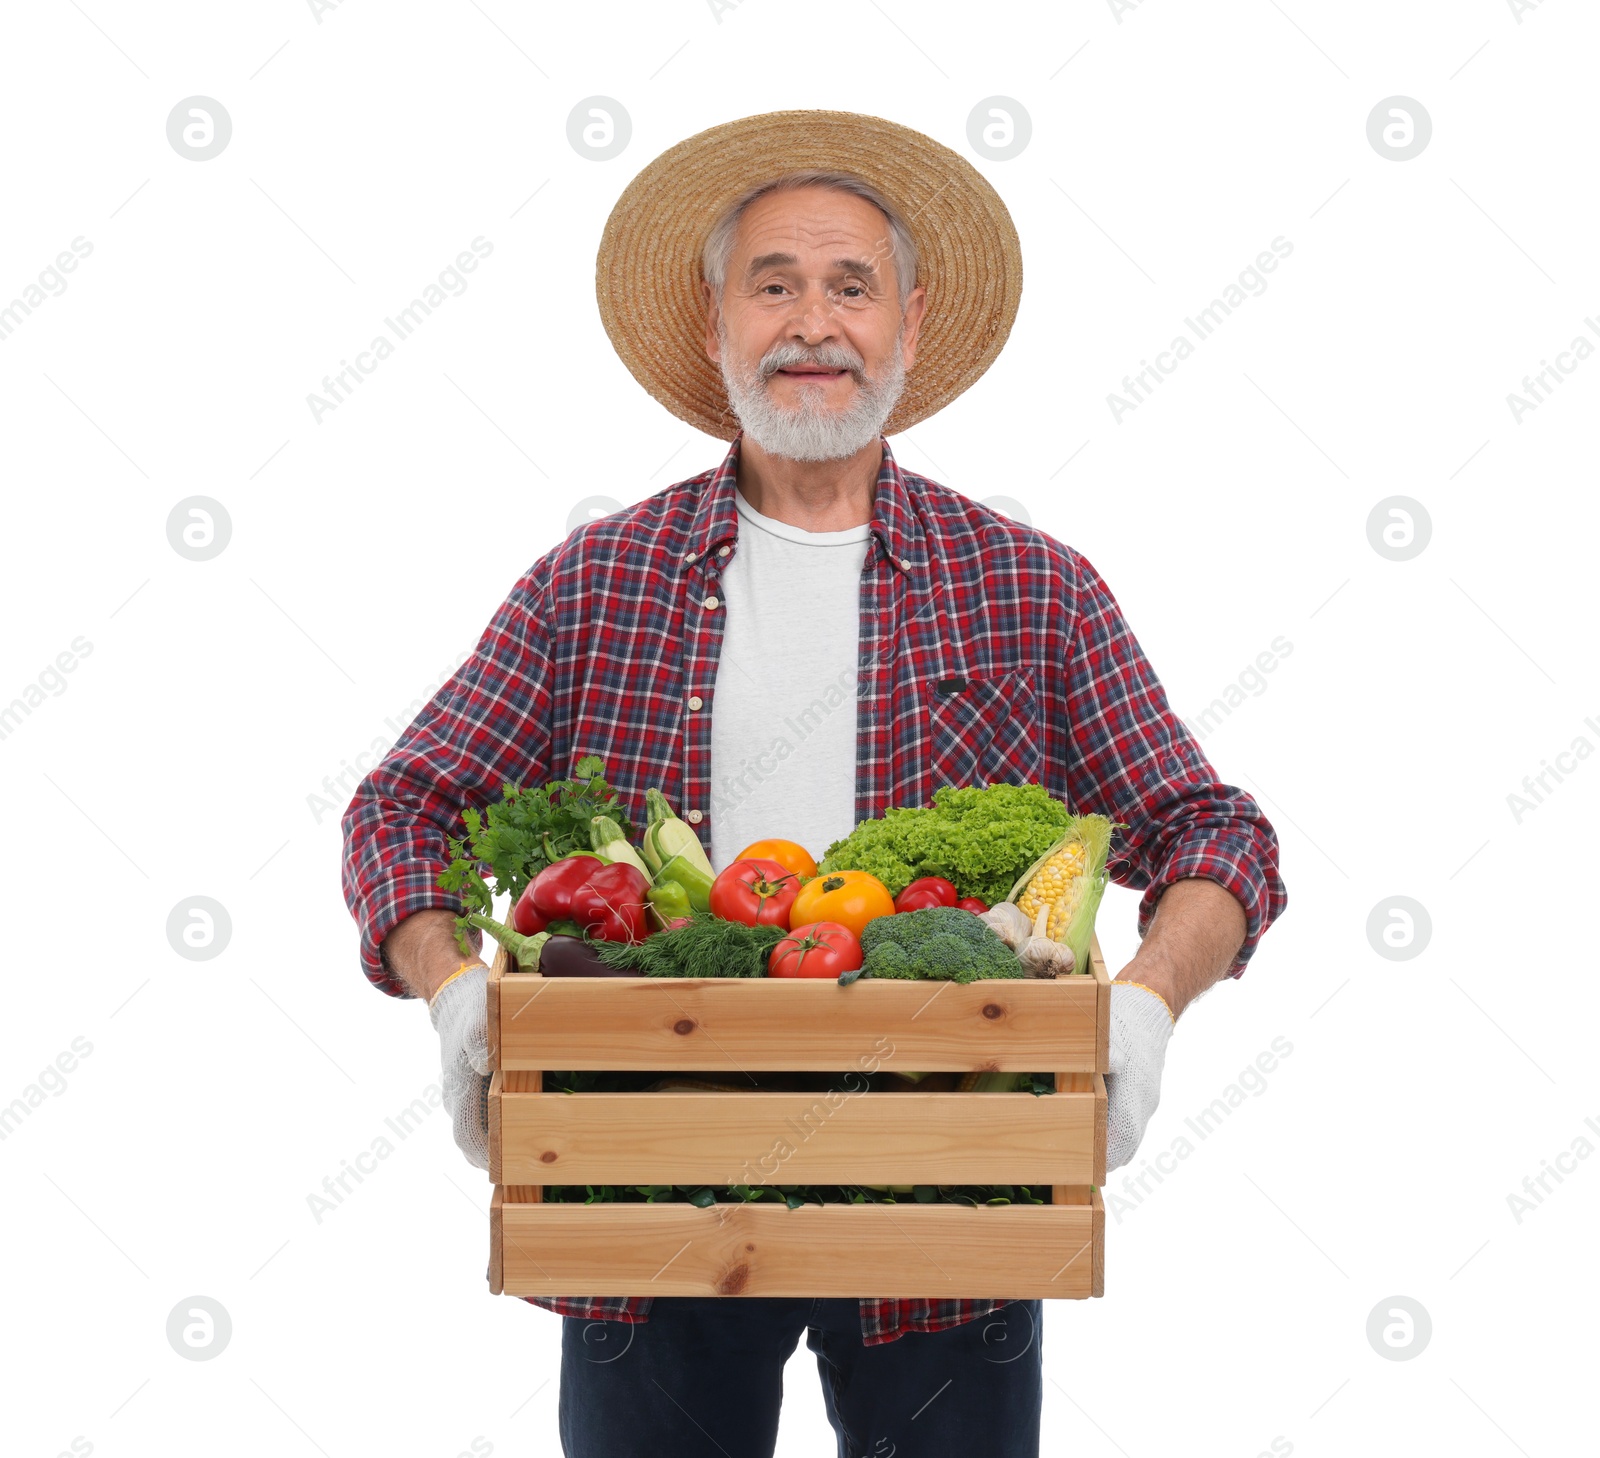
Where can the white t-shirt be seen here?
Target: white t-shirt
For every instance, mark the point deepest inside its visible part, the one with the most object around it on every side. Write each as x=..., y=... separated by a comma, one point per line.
x=783, y=711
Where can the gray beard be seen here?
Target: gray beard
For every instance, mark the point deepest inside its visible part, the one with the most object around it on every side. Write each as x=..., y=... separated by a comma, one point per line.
x=811, y=432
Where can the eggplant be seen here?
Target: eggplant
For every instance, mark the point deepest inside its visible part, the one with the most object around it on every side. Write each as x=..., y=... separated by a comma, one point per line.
x=574, y=957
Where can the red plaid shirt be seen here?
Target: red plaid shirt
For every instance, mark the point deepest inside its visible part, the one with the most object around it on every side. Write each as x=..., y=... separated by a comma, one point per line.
x=601, y=644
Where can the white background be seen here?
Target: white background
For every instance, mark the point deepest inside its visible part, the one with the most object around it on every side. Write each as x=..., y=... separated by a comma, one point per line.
x=1170, y=145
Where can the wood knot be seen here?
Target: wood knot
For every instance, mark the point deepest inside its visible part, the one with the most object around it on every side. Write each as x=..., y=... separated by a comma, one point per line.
x=733, y=1282
x=749, y=1247
x=549, y=1156
x=993, y=1010
x=683, y=1025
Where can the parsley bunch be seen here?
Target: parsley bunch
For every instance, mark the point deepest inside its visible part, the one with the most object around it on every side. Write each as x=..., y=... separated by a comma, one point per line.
x=520, y=834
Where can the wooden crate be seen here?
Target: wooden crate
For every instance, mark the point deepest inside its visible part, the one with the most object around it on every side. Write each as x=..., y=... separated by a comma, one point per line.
x=728, y=1027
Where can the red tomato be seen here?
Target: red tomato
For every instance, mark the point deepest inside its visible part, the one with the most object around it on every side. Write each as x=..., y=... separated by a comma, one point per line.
x=924, y=892
x=755, y=891
x=972, y=903
x=819, y=949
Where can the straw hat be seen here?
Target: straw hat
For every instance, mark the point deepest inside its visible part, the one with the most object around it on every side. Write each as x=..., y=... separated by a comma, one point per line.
x=647, y=274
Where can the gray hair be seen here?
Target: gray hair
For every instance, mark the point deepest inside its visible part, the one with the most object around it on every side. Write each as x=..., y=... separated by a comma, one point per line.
x=719, y=242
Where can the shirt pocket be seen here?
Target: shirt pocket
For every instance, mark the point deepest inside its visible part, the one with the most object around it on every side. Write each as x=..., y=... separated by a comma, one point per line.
x=986, y=732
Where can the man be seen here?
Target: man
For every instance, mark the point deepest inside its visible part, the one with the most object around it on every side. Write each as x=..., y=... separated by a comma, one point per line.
x=788, y=644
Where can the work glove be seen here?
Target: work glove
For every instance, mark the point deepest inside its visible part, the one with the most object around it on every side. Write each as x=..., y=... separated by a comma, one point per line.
x=459, y=1013
x=1141, y=1023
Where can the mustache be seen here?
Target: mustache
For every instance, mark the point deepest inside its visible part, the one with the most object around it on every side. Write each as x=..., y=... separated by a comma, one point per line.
x=827, y=356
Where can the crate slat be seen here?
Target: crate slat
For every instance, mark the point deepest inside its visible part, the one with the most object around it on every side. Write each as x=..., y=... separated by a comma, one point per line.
x=933, y=1251
x=764, y=1138
x=1102, y=1019
x=723, y=1024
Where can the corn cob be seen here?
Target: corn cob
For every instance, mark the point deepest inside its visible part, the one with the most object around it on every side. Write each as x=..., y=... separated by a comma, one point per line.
x=1065, y=884
x=1059, y=885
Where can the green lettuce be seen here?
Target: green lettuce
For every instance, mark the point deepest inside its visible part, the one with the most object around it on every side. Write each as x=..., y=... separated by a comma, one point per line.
x=980, y=838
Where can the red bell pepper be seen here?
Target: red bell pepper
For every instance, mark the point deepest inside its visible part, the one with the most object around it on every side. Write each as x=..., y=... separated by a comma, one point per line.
x=973, y=903
x=612, y=904
x=548, y=897
x=525, y=921
x=924, y=892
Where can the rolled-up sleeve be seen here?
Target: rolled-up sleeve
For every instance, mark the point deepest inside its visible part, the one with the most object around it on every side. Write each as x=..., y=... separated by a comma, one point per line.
x=488, y=726
x=1133, y=759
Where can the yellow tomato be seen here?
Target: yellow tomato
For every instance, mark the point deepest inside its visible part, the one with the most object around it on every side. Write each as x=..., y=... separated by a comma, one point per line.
x=787, y=853
x=851, y=898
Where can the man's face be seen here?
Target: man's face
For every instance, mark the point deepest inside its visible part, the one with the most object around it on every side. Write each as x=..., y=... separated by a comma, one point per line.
x=809, y=332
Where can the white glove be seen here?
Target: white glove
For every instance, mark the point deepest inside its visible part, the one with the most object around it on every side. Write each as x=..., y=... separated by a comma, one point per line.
x=1141, y=1023
x=459, y=1013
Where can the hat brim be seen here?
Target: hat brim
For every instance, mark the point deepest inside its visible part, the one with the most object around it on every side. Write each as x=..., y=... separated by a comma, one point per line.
x=647, y=273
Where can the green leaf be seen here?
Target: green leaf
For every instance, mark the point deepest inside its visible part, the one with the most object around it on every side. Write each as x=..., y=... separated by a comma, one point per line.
x=514, y=838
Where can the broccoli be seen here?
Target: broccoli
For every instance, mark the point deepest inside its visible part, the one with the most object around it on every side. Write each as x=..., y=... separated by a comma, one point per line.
x=889, y=959
x=942, y=943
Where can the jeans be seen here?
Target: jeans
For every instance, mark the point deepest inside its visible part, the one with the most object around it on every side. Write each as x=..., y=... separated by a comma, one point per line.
x=703, y=1377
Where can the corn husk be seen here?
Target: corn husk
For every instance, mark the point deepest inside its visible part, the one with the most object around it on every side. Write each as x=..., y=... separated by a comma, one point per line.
x=1094, y=831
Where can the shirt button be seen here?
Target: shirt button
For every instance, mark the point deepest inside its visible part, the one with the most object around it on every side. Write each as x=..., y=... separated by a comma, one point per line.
x=695, y=701
x=690, y=556
x=711, y=601
x=906, y=563
x=695, y=817
x=722, y=551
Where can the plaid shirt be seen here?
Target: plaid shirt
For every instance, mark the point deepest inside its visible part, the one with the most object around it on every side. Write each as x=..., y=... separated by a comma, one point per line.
x=601, y=644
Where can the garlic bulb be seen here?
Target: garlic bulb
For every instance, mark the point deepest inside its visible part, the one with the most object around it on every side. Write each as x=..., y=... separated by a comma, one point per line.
x=1041, y=955
x=1007, y=920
